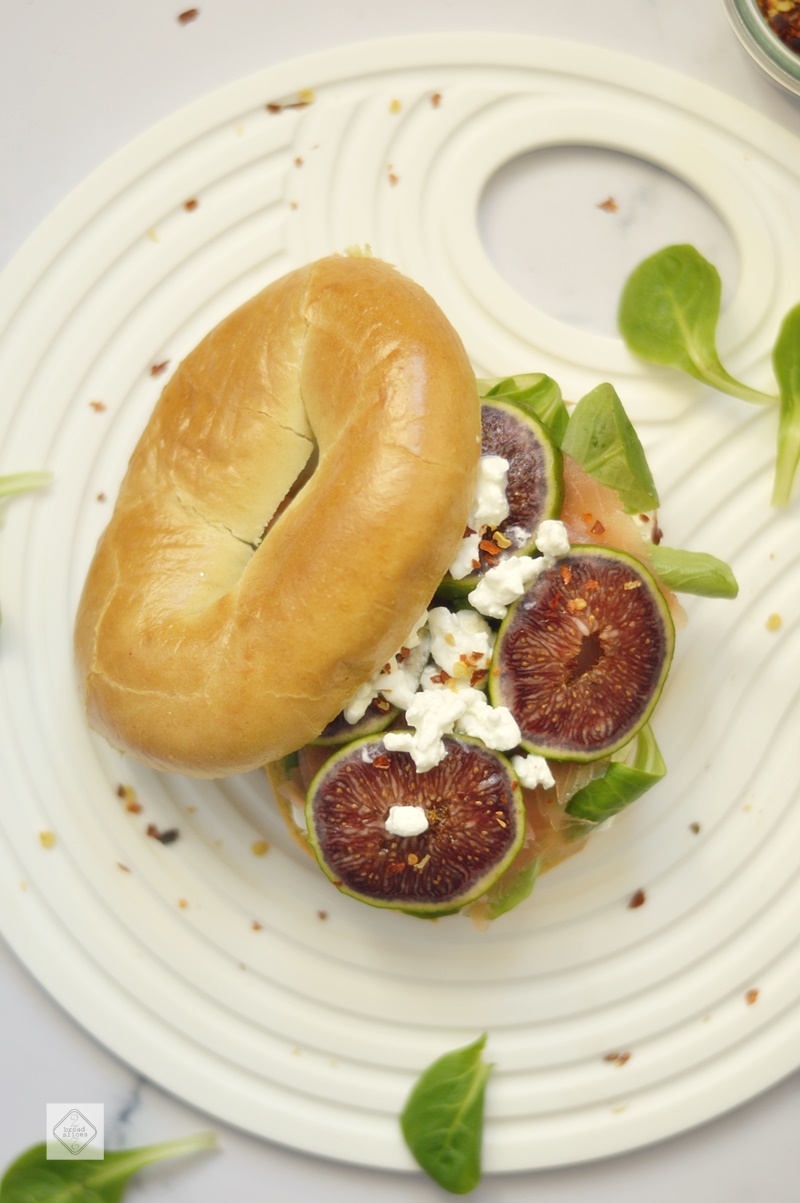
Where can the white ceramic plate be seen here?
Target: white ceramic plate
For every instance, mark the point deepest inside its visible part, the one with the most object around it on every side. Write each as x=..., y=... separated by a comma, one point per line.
x=245, y=983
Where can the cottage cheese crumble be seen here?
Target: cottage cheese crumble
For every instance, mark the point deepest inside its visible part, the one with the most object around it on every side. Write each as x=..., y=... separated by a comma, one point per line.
x=489, y=508
x=406, y=821
x=448, y=652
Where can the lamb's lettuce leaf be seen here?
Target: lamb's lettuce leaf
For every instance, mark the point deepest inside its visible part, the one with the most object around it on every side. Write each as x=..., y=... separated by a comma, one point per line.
x=601, y=437
x=639, y=767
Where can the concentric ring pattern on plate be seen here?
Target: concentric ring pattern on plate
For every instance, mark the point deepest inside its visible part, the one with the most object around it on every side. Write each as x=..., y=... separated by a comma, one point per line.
x=243, y=982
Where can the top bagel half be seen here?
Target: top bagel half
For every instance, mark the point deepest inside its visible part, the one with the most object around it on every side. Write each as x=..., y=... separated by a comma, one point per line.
x=337, y=412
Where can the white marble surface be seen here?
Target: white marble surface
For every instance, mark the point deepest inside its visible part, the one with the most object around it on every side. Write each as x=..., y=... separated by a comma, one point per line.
x=78, y=81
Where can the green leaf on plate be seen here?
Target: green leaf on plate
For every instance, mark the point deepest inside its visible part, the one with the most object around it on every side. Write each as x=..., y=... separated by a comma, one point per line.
x=601, y=437
x=512, y=889
x=668, y=314
x=786, y=365
x=623, y=782
x=442, y=1121
x=21, y=482
x=693, y=572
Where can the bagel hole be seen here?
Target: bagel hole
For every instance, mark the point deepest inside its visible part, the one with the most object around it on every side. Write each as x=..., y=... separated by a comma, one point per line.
x=294, y=492
x=565, y=226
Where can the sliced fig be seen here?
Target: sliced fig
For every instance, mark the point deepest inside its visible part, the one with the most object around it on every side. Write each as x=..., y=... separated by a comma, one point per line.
x=338, y=731
x=534, y=490
x=472, y=803
x=581, y=658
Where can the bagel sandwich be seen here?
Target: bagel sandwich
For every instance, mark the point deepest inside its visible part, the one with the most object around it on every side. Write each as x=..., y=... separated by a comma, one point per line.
x=296, y=496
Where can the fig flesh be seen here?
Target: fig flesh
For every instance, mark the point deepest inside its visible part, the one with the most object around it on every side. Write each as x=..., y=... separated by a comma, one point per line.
x=534, y=489
x=472, y=803
x=581, y=658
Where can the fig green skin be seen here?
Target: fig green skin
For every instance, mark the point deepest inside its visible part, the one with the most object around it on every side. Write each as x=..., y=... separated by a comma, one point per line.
x=339, y=731
x=419, y=906
x=589, y=692
x=553, y=482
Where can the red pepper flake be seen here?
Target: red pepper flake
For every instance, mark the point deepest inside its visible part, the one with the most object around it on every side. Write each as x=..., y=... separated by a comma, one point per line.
x=100, y=497
x=598, y=528
x=592, y=584
x=157, y=368
x=298, y=160
x=565, y=572
x=395, y=866
x=134, y=807
x=382, y=705
x=436, y=99
x=618, y=1058
x=191, y=204
x=189, y=14
x=441, y=678
x=124, y=868
x=609, y=205
x=163, y=837
x=751, y=997
x=694, y=828
x=638, y=899
x=322, y=915
x=393, y=178
x=256, y=926
x=382, y=761
x=587, y=519
x=99, y=407
x=479, y=675
x=489, y=546
x=554, y=604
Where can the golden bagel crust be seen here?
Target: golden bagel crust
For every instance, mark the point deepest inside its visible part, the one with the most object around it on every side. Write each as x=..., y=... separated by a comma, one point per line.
x=205, y=649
